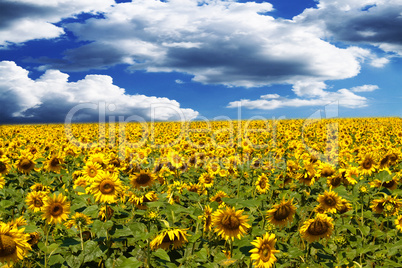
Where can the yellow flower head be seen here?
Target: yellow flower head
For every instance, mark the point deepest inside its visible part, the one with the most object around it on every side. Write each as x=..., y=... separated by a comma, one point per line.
x=229, y=223
x=263, y=252
x=56, y=209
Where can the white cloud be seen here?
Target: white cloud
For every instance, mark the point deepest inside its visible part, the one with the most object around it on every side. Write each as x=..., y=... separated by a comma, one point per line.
x=24, y=20
x=218, y=42
x=309, y=94
x=364, y=88
x=178, y=81
x=50, y=97
x=270, y=96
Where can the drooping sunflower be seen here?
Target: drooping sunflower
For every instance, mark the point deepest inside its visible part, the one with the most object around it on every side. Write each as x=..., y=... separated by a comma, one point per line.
x=171, y=238
x=398, y=223
x=91, y=171
x=206, y=180
x=13, y=243
x=142, y=179
x=262, y=184
x=56, y=209
x=281, y=213
x=388, y=205
x=229, y=223
x=36, y=200
x=263, y=252
x=25, y=164
x=218, y=197
x=106, y=188
x=207, y=218
x=344, y=207
x=78, y=220
x=320, y=227
x=329, y=201
x=54, y=164
x=391, y=184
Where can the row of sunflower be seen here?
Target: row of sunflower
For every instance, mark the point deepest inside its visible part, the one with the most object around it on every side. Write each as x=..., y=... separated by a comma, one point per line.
x=213, y=194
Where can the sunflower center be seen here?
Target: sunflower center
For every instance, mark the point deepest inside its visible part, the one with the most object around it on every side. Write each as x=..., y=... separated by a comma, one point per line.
x=265, y=253
x=106, y=187
x=368, y=163
x=143, y=178
x=7, y=246
x=55, y=162
x=263, y=184
x=318, y=228
x=282, y=213
x=330, y=201
x=92, y=172
x=208, y=180
x=25, y=164
x=218, y=199
x=56, y=210
x=387, y=184
x=230, y=222
x=38, y=203
x=2, y=167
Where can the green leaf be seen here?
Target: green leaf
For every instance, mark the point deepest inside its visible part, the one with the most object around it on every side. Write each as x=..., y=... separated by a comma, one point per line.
x=56, y=259
x=202, y=255
x=91, y=251
x=100, y=228
x=365, y=230
x=6, y=204
x=161, y=254
x=131, y=263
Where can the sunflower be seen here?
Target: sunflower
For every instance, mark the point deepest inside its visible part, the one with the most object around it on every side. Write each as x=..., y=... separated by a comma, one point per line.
x=54, y=163
x=171, y=238
x=388, y=205
x=4, y=165
x=398, y=223
x=351, y=174
x=329, y=201
x=36, y=200
x=229, y=223
x=367, y=165
x=39, y=187
x=106, y=188
x=391, y=184
x=141, y=201
x=218, y=197
x=206, y=180
x=78, y=220
x=91, y=171
x=263, y=252
x=327, y=170
x=320, y=227
x=345, y=206
x=335, y=181
x=281, y=213
x=105, y=213
x=56, y=209
x=262, y=184
x=13, y=243
x=142, y=179
x=308, y=175
x=33, y=238
x=207, y=218
x=20, y=221
x=98, y=158
x=25, y=164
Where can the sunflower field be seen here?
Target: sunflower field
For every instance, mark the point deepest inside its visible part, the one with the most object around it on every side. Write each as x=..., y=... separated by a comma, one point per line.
x=262, y=193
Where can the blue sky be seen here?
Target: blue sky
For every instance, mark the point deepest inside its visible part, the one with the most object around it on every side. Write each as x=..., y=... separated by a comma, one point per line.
x=205, y=59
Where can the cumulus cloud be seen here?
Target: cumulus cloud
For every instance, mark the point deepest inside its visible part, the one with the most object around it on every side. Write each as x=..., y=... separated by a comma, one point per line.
x=375, y=22
x=364, y=88
x=51, y=97
x=24, y=20
x=218, y=42
x=308, y=94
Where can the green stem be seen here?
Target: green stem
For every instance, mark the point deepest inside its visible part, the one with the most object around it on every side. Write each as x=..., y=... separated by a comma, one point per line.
x=82, y=240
